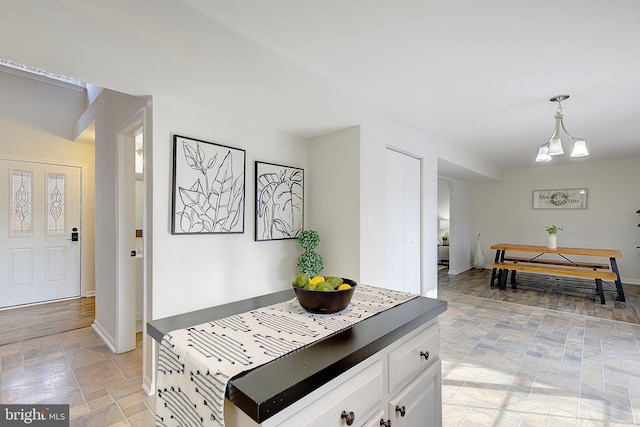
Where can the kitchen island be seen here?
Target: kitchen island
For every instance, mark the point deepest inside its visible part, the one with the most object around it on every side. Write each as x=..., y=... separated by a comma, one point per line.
x=363, y=369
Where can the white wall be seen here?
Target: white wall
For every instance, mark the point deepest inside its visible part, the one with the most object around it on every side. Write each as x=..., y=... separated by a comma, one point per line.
x=197, y=271
x=460, y=227
x=502, y=212
x=191, y=272
x=37, y=121
x=334, y=200
x=111, y=110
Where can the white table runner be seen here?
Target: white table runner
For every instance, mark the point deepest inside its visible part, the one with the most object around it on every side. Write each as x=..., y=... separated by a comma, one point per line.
x=195, y=364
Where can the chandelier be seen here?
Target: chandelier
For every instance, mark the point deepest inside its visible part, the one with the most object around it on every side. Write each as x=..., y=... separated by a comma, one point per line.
x=553, y=147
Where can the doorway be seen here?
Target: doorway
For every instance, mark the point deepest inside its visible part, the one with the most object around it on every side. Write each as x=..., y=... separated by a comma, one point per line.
x=131, y=287
x=444, y=224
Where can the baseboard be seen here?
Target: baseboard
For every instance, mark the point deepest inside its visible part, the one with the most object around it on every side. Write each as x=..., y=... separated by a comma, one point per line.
x=104, y=335
x=148, y=386
x=459, y=270
x=90, y=293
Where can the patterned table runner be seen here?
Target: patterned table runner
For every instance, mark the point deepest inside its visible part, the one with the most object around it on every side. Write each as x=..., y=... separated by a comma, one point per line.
x=195, y=364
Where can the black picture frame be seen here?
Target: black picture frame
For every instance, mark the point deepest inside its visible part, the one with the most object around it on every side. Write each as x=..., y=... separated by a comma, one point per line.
x=279, y=201
x=208, y=187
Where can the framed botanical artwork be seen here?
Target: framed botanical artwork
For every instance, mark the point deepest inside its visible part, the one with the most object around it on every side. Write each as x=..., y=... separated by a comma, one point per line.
x=570, y=198
x=279, y=201
x=208, y=187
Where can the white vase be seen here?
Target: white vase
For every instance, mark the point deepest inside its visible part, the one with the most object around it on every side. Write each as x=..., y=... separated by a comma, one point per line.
x=478, y=261
x=552, y=242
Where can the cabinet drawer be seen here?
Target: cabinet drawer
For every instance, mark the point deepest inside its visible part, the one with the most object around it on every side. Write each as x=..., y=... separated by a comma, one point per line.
x=412, y=357
x=361, y=394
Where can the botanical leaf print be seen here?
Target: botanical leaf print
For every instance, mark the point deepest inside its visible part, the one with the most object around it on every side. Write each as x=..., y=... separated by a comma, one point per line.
x=214, y=201
x=279, y=203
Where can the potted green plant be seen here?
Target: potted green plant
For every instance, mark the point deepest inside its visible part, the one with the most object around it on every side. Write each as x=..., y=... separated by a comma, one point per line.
x=552, y=241
x=445, y=239
x=310, y=262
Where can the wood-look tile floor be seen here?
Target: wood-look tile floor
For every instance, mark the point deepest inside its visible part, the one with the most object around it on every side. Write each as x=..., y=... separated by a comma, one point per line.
x=563, y=294
x=504, y=363
x=23, y=323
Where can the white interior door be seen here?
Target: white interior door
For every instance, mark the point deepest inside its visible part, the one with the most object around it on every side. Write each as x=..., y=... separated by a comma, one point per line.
x=39, y=252
x=403, y=221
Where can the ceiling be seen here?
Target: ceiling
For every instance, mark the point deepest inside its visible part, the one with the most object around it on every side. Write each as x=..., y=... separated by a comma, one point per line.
x=477, y=74
x=473, y=75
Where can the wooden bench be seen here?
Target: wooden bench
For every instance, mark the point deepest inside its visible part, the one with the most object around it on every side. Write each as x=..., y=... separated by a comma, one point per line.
x=547, y=261
x=598, y=274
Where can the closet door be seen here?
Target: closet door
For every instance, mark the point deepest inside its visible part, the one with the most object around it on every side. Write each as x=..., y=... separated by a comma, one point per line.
x=403, y=221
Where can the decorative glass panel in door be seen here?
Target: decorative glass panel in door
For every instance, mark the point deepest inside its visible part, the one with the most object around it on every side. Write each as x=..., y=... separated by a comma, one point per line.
x=21, y=203
x=55, y=204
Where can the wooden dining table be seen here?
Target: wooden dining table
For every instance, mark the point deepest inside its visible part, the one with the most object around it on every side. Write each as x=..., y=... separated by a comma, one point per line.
x=536, y=258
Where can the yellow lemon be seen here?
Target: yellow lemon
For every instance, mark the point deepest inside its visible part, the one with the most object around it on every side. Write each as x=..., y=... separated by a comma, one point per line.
x=344, y=287
x=316, y=280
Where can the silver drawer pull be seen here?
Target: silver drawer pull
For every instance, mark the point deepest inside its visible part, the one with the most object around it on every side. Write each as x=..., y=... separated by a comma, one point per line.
x=385, y=423
x=424, y=354
x=402, y=410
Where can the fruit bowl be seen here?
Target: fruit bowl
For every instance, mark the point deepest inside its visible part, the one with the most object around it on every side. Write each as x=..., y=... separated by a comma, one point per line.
x=325, y=301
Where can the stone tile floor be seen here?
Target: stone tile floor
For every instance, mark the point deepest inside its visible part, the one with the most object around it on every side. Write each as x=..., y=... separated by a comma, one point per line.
x=76, y=367
x=510, y=364
x=503, y=364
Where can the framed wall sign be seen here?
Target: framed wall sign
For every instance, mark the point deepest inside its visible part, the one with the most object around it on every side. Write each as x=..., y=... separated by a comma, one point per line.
x=208, y=187
x=279, y=201
x=570, y=198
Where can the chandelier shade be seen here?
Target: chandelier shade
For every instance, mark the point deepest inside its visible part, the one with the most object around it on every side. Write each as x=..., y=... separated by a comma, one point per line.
x=543, y=154
x=554, y=146
x=579, y=149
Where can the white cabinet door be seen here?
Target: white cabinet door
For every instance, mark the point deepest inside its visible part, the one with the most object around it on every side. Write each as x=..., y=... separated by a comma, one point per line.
x=420, y=403
x=39, y=261
x=403, y=222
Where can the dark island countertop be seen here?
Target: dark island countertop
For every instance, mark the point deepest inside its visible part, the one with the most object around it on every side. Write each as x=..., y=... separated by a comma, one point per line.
x=268, y=389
